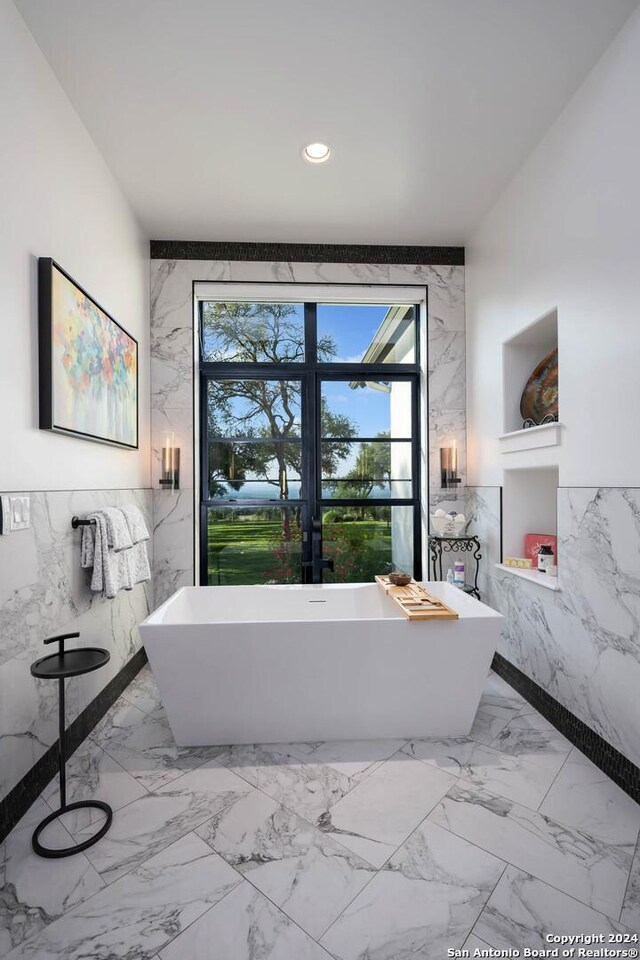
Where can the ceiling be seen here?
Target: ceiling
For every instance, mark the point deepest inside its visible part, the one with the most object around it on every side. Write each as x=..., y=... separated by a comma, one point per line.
x=201, y=107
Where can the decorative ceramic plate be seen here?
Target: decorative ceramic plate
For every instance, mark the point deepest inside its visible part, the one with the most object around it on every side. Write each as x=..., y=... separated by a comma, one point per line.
x=540, y=395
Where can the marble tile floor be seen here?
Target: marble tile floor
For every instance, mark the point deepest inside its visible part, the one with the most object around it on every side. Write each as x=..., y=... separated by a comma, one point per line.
x=368, y=850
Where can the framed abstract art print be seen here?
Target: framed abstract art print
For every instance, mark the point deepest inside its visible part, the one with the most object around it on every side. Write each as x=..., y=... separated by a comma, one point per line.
x=88, y=364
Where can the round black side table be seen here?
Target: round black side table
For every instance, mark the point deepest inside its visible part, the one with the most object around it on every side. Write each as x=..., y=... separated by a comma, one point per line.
x=58, y=666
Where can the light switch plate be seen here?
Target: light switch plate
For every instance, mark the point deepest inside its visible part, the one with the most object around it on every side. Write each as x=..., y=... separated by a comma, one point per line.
x=4, y=513
x=20, y=513
x=16, y=513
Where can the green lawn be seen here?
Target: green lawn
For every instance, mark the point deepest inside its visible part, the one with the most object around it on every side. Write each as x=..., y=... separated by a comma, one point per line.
x=246, y=549
x=242, y=551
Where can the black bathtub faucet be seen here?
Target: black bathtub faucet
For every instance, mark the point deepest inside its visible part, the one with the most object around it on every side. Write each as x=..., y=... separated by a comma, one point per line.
x=317, y=564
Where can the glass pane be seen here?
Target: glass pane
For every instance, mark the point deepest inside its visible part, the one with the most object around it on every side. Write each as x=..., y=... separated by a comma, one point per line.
x=254, y=545
x=253, y=332
x=366, y=333
x=366, y=408
x=254, y=471
x=365, y=470
x=254, y=409
x=362, y=541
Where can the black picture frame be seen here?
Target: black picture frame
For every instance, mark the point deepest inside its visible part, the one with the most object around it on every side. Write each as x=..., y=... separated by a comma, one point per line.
x=47, y=371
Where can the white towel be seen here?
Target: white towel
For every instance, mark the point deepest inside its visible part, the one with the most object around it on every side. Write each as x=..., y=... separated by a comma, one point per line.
x=138, y=560
x=117, y=529
x=88, y=544
x=95, y=553
x=113, y=569
x=135, y=522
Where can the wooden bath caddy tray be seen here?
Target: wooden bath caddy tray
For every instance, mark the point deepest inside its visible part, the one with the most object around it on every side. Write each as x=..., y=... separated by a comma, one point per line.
x=415, y=602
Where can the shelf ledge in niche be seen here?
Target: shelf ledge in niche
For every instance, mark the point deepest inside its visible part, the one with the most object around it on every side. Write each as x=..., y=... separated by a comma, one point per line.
x=545, y=435
x=533, y=576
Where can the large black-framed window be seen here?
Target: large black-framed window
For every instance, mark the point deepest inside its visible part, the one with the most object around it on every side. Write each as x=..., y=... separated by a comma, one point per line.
x=307, y=455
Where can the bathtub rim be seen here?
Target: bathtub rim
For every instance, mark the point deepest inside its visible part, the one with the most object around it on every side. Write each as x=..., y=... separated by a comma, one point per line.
x=472, y=609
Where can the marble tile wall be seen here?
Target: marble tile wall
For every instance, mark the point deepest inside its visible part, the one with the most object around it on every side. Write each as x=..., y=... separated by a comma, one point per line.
x=582, y=643
x=43, y=590
x=172, y=370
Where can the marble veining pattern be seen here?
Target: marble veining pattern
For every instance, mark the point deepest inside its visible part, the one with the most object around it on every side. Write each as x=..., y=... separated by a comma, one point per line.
x=380, y=812
x=143, y=745
x=173, y=536
x=91, y=772
x=142, y=912
x=582, y=643
x=355, y=759
x=594, y=871
x=523, y=910
x=473, y=943
x=631, y=908
x=244, y=926
x=320, y=850
x=530, y=735
x=298, y=867
x=425, y=898
x=524, y=779
x=585, y=796
x=172, y=367
x=309, y=789
x=43, y=591
x=35, y=892
x=142, y=693
x=490, y=721
x=150, y=823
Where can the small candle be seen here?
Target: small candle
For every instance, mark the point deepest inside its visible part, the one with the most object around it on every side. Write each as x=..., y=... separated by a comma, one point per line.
x=167, y=456
x=170, y=462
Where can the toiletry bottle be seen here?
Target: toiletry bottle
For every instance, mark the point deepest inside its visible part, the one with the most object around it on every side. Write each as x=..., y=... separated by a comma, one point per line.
x=458, y=573
x=545, y=557
x=449, y=575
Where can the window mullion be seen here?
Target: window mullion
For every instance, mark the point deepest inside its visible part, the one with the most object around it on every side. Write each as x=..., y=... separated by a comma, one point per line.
x=311, y=333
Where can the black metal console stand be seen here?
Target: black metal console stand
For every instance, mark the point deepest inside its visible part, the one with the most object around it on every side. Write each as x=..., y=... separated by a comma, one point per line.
x=59, y=666
x=442, y=544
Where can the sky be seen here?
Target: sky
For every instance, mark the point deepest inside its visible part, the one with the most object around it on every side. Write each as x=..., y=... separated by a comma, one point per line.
x=352, y=327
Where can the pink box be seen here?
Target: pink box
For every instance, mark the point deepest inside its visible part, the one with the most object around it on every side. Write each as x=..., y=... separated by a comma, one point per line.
x=533, y=542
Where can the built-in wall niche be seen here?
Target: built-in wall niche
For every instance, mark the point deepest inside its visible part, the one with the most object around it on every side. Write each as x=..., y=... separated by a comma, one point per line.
x=520, y=356
x=529, y=505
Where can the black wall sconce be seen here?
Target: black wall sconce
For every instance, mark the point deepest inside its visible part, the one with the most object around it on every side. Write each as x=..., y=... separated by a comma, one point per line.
x=449, y=467
x=170, y=463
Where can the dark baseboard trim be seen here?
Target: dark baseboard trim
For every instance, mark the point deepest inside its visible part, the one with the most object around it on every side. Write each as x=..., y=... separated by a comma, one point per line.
x=14, y=806
x=306, y=252
x=622, y=771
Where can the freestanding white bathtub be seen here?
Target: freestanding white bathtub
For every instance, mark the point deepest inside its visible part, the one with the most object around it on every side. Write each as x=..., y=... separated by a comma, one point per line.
x=333, y=662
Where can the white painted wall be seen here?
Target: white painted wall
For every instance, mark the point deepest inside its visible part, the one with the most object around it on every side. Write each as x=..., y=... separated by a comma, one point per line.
x=58, y=199
x=566, y=234
x=528, y=506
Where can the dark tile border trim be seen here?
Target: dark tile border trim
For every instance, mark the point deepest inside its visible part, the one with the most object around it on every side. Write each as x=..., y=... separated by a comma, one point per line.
x=611, y=761
x=17, y=802
x=306, y=252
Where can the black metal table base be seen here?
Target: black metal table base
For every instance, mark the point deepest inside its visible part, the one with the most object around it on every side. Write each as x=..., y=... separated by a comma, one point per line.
x=465, y=544
x=53, y=853
x=58, y=666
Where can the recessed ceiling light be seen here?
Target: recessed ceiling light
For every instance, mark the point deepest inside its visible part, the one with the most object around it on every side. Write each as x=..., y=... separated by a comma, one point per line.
x=316, y=152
